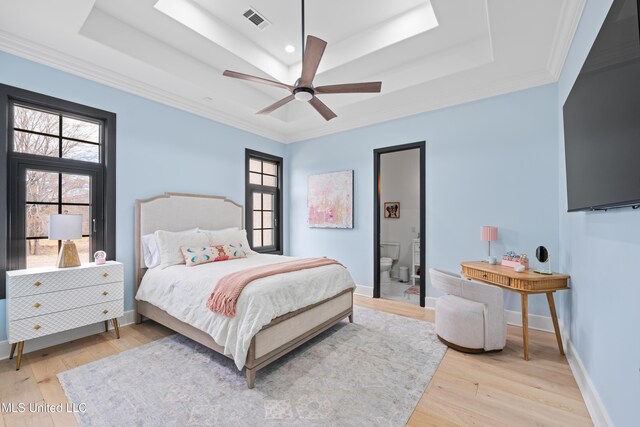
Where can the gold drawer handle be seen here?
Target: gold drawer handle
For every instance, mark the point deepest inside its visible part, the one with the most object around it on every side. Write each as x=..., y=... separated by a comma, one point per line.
x=105, y=275
x=105, y=293
x=105, y=311
x=37, y=327
x=37, y=305
x=37, y=283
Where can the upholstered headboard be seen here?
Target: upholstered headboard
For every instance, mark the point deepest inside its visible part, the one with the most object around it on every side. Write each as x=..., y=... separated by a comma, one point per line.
x=176, y=212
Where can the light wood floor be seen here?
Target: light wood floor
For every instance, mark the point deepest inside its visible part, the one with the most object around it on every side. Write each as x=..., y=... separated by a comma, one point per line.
x=498, y=389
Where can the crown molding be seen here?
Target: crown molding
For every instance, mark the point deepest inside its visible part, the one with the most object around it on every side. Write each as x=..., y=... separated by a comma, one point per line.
x=420, y=106
x=44, y=55
x=570, y=15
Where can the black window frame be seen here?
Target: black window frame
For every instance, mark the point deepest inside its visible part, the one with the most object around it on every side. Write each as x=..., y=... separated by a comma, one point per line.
x=278, y=235
x=12, y=198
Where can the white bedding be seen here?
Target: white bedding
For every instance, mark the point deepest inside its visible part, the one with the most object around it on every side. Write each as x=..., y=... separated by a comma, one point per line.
x=183, y=291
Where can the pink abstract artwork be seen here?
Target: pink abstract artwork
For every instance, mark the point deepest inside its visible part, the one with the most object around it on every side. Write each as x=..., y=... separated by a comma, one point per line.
x=330, y=200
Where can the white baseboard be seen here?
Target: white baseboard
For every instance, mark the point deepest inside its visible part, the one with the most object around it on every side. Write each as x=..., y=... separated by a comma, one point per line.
x=365, y=291
x=541, y=323
x=66, y=336
x=595, y=406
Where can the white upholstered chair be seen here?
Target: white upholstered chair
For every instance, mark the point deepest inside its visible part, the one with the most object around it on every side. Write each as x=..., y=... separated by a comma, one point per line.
x=470, y=317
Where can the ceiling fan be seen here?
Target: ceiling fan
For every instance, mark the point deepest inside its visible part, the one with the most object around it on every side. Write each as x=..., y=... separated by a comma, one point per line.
x=303, y=89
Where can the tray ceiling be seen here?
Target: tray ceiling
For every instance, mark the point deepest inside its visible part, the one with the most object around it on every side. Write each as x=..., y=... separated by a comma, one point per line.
x=428, y=54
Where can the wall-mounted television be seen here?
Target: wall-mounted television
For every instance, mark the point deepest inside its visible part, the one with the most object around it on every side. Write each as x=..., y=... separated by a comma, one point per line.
x=602, y=117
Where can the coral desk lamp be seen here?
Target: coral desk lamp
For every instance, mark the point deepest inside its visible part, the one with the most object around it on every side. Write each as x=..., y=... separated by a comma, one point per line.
x=66, y=228
x=489, y=234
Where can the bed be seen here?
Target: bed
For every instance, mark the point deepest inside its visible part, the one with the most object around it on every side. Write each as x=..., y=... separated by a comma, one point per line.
x=171, y=296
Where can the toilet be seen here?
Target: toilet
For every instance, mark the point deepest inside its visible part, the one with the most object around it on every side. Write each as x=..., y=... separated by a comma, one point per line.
x=389, y=253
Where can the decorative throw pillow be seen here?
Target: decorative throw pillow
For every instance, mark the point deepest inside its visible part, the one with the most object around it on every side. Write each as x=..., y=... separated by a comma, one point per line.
x=201, y=255
x=229, y=237
x=198, y=255
x=230, y=251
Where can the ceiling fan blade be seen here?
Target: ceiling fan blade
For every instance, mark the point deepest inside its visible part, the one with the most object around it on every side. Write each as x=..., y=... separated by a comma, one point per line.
x=271, y=108
x=312, y=55
x=322, y=109
x=369, y=87
x=255, y=79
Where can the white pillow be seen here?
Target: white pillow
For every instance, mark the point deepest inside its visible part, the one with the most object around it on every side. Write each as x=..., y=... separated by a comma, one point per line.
x=150, y=253
x=228, y=237
x=169, y=244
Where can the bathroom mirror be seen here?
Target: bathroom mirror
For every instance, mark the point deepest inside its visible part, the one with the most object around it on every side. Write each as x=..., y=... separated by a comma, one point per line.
x=544, y=265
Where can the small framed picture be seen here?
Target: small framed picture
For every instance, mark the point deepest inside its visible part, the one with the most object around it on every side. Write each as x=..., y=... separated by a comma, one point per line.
x=392, y=210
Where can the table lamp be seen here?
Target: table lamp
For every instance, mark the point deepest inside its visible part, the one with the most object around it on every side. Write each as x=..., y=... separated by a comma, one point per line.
x=489, y=234
x=66, y=228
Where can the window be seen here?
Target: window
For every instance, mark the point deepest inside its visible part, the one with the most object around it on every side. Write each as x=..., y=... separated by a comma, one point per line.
x=264, y=202
x=61, y=159
x=55, y=193
x=44, y=133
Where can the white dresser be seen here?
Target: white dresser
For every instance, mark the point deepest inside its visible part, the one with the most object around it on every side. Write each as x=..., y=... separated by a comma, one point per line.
x=44, y=301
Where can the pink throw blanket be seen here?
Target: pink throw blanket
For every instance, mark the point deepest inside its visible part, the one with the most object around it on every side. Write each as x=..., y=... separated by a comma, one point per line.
x=224, y=297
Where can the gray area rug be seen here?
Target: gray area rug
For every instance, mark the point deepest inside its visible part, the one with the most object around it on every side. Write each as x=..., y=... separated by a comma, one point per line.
x=369, y=373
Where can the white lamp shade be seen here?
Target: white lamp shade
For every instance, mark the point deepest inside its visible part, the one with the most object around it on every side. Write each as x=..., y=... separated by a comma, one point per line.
x=65, y=227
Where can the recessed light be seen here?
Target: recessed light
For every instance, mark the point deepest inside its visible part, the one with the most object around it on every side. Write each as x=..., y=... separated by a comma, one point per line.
x=289, y=48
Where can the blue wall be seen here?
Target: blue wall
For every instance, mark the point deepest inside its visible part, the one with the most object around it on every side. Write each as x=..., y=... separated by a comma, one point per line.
x=159, y=149
x=498, y=161
x=490, y=162
x=601, y=252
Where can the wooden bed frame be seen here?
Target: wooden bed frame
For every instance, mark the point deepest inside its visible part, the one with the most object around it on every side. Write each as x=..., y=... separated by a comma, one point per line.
x=175, y=212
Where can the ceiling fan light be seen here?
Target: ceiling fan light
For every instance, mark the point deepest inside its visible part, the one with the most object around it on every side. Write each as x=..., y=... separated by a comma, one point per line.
x=303, y=96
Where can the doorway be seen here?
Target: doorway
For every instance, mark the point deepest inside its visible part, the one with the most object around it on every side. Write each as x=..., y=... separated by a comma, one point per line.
x=399, y=250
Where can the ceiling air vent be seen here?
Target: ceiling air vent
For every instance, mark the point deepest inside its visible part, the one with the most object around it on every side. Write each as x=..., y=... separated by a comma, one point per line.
x=256, y=19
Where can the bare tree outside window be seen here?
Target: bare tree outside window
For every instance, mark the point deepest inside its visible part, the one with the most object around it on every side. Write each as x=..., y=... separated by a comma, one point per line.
x=53, y=135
